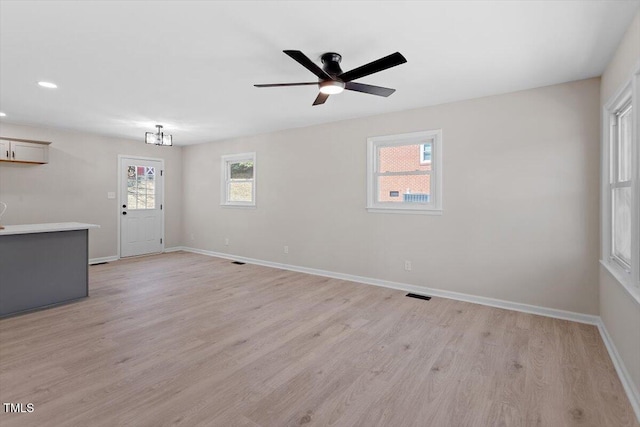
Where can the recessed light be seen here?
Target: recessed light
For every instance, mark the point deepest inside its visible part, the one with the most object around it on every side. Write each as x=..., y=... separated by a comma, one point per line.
x=2, y=114
x=48, y=85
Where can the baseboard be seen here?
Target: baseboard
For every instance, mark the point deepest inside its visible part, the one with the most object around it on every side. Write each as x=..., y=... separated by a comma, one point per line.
x=509, y=305
x=627, y=382
x=93, y=261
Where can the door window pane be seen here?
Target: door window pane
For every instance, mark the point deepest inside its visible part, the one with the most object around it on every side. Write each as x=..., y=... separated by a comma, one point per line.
x=141, y=187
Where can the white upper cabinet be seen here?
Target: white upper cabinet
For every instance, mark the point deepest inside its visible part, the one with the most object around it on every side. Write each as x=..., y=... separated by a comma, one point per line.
x=24, y=151
x=5, y=150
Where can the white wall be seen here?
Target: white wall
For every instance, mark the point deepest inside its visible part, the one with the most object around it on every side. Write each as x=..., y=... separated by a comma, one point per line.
x=619, y=311
x=73, y=186
x=521, y=195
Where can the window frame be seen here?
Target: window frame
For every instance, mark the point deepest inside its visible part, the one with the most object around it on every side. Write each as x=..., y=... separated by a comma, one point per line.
x=434, y=206
x=226, y=161
x=627, y=274
x=614, y=175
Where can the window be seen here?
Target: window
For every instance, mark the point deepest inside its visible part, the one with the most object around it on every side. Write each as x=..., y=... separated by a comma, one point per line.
x=620, y=186
x=405, y=173
x=141, y=187
x=620, y=201
x=239, y=180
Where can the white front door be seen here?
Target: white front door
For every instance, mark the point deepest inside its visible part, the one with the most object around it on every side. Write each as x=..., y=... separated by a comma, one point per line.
x=141, y=210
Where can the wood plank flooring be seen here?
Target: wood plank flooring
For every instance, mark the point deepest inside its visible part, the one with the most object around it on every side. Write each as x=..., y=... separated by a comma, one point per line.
x=190, y=340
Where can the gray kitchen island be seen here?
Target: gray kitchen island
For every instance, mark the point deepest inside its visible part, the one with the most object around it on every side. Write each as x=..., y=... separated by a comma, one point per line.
x=43, y=265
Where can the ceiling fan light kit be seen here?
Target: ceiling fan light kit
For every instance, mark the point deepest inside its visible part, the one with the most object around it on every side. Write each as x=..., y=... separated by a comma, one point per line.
x=332, y=80
x=331, y=87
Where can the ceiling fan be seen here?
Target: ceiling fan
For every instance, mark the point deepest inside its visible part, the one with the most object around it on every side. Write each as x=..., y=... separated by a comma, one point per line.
x=333, y=81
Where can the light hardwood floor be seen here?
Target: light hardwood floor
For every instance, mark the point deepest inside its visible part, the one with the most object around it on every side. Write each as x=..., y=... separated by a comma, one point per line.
x=185, y=339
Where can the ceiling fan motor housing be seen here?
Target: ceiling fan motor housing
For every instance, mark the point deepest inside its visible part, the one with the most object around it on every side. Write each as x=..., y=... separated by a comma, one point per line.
x=331, y=63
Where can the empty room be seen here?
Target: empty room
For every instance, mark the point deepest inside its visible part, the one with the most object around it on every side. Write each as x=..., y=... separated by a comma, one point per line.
x=320, y=213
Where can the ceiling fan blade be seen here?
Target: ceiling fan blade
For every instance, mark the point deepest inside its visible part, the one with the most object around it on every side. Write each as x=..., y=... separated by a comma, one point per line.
x=373, y=67
x=320, y=99
x=370, y=89
x=308, y=64
x=287, y=84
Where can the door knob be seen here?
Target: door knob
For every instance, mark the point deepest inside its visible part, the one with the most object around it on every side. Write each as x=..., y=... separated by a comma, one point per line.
x=124, y=213
x=124, y=206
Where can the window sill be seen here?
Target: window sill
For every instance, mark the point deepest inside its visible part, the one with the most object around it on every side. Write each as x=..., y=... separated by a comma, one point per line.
x=624, y=280
x=239, y=206
x=406, y=211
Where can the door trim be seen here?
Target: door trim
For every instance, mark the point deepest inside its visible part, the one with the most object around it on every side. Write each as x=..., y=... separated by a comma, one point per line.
x=119, y=199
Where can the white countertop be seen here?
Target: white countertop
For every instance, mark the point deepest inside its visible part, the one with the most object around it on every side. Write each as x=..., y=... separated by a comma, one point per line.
x=45, y=228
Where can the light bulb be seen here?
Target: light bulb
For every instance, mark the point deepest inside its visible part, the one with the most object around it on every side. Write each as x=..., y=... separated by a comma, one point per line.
x=331, y=87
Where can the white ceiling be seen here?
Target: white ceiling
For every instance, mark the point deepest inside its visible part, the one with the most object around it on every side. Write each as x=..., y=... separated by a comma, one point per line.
x=122, y=67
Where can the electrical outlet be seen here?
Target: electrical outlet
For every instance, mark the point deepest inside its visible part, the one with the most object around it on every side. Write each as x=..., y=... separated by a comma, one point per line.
x=226, y=241
x=111, y=195
x=407, y=265
x=286, y=249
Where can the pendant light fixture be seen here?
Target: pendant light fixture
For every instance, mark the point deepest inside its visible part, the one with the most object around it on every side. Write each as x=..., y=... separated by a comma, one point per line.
x=158, y=138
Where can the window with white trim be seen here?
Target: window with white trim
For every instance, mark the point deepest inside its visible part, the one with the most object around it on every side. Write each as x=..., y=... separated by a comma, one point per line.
x=404, y=173
x=239, y=180
x=620, y=185
x=620, y=199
